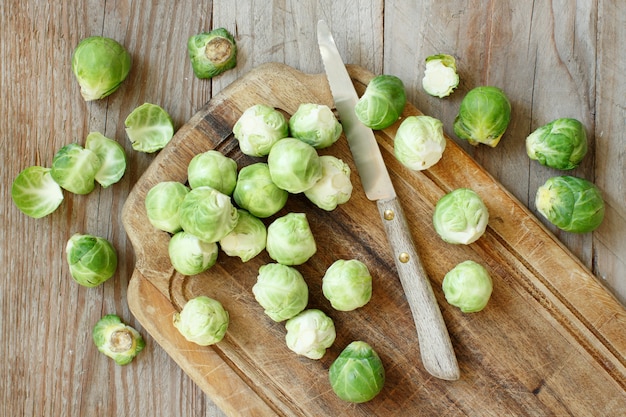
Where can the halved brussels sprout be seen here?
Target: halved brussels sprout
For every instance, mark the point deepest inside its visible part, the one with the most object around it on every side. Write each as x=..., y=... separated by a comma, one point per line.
x=347, y=284
x=92, y=259
x=294, y=165
x=334, y=187
x=440, y=76
x=112, y=158
x=213, y=169
x=357, y=375
x=117, y=340
x=35, y=193
x=281, y=291
x=149, y=128
x=190, y=255
x=382, y=102
x=212, y=53
x=256, y=192
x=315, y=124
x=290, y=240
x=162, y=204
x=259, y=128
x=74, y=168
x=247, y=239
x=484, y=116
x=460, y=217
x=560, y=144
x=203, y=321
x=310, y=333
x=207, y=214
x=468, y=286
x=419, y=142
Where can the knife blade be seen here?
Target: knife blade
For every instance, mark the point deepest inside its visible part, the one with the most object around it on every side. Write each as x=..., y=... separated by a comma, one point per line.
x=436, y=349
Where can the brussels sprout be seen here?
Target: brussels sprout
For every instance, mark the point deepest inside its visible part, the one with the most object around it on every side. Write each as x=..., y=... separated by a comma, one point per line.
x=190, y=255
x=357, y=375
x=334, y=187
x=202, y=321
x=212, y=53
x=310, y=333
x=100, y=65
x=281, y=291
x=290, y=240
x=213, y=169
x=440, y=76
x=572, y=204
x=460, y=217
x=315, y=124
x=117, y=340
x=483, y=117
x=92, y=259
x=247, y=239
x=35, y=193
x=560, y=144
x=74, y=168
x=382, y=103
x=259, y=128
x=149, y=128
x=294, y=165
x=256, y=192
x=467, y=286
x=112, y=158
x=419, y=142
x=207, y=214
x=347, y=284
x=162, y=204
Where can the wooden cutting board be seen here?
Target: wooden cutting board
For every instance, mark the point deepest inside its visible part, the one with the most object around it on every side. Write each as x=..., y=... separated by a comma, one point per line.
x=551, y=341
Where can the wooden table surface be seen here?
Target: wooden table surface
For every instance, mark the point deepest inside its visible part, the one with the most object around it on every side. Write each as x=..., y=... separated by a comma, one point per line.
x=552, y=58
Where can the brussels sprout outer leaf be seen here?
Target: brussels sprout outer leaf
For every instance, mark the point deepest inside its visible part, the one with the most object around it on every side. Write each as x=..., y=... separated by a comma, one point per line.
x=256, y=192
x=92, y=259
x=460, y=217
x=357, y=375
x=149, y=128
x=212, y=53
x=74, y=168
x=35, y=193
x=259, y=128
x=162, y=204
x=281, y=291
x=382, y=102
x=294, y=165
x=347, y=284
x=290, y=240
x=207, y=214
x=203, y=321
x=560, y=144
x=213, y=169
x=117, y=340
x=315, y=124
x=190, y=255
x=468, y=286
x=419, y=142
x=112, y=158
x=484, y=116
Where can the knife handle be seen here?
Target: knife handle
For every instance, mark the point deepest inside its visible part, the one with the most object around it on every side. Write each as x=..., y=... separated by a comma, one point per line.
x=435, y=346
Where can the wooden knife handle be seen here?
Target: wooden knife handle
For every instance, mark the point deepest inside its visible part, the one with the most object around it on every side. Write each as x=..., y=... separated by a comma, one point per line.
x=435, y=346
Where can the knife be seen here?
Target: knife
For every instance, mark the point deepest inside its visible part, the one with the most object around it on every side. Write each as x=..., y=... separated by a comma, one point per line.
x=436, y=348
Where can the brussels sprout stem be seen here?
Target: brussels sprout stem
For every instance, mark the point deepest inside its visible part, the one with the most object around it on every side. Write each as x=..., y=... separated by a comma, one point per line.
x=218, y=50
x=121, y=341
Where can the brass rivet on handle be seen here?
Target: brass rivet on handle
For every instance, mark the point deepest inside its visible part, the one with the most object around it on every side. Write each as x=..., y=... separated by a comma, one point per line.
x=404, y=257
x=389, y=214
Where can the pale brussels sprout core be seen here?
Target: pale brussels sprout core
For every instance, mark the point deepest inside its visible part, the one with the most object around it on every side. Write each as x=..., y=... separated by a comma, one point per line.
x=202, y=321
x=484, y=116
x=460, y=217
x=382, y=102
x=440, y=76
x=315, y=124
x=310, y=333
x=149, y=128
x=290, y=240
x=334, y=187
x=207, y=214
x=213, y=169
x=256, y=192
x=212, y=53
x=190, y=255
x=357, y=375
x=100, y=65
x=560, y=144
x=259, y=128
x=468, y=286
x=570, y=203
x=294, y=165
x=112, y=158
x=281, y=291
x=247, y=239
x=35, y=193
x=92, y=259
x=347, y=284
x=74, y=168
x=117, y=340
x=162, y=203
x=419, y=142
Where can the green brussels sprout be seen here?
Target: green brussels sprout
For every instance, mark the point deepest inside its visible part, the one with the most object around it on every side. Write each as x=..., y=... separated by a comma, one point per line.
x=190, y=255
x=259, y=128
x=484, y=116
x=382, y=102
x=247, y=239
x=207, y=214
x=35, y=192
x=440, y=76
x=281, y=291
x=294, y=165
x=74, y=168
x=290, y=240
x=334, y=187
x=468, y=286
x=256, y=192
x=111, y=155
x=212, y=53
x=310, y=333
x=347, y=284
x=202, y=321
x=460, y=217
x=149, y=128
x=572, y=204
x=419, y=142
x=100, y=65
x=315, y=124
x=117, y=340
x=213, y=169
x=560, y=144
x=92, y=259
x=357, y=375
x=162, y=203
